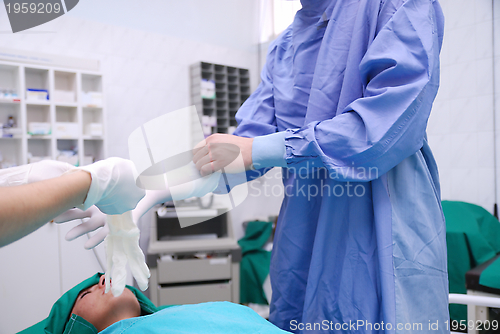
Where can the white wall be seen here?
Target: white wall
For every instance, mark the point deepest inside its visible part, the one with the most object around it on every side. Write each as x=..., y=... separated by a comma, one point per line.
x=460, y=129
x=145, y=52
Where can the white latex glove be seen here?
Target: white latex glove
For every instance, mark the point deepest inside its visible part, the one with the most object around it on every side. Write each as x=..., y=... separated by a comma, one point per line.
x=113, y=189
x=152, y=198
x=92, y=219
x=186, y=182
x=38, y=171
x=97, y=219
x=122, y=246
x=181, y=183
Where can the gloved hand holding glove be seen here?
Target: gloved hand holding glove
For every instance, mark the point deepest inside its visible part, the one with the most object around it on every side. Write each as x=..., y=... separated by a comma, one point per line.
x=113, y=189
x=93, y=218
x=122, y=241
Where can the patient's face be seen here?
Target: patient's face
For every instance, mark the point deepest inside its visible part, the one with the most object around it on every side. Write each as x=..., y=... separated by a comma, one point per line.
x=103, y=309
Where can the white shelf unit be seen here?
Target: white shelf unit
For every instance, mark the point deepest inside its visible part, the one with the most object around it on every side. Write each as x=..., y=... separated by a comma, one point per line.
x=74, y=112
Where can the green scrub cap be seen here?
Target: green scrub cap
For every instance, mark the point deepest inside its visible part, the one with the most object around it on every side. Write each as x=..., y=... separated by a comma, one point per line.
x=61, y=321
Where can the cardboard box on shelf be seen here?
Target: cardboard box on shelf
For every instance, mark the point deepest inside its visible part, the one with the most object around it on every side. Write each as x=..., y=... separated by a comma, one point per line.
x=39, y=128
x=92, y=98
x=37, y=94
x=94, y=129
x=66, y=130
x=65, y=96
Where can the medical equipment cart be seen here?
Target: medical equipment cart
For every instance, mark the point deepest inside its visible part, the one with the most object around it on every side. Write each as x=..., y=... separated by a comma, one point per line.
x=195, y=264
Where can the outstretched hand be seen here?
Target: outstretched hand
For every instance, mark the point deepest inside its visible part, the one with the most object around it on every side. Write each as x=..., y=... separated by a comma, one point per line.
x=92, y=219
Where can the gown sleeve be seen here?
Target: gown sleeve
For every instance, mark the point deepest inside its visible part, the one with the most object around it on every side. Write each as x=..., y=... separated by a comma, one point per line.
x=374, y=133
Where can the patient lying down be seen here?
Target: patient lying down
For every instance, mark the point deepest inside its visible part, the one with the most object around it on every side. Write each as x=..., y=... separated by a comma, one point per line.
x=103, y=309
x=87, y=309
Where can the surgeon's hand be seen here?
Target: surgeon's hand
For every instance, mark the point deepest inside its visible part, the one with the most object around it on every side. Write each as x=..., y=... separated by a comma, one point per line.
x=221, y=151
x=122, y=246
x=113, y=189
x=29, y=173
x=92, y=219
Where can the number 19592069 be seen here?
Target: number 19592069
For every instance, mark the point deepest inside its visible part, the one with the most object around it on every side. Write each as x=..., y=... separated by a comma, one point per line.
x=33, y=7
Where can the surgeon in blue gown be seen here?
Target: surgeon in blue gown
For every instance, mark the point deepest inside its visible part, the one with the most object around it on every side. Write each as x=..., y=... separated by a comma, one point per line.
x=343, y=105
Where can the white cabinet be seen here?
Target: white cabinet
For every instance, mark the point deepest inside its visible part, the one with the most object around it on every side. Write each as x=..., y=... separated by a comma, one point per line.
x=55, y=110
x=59, y=114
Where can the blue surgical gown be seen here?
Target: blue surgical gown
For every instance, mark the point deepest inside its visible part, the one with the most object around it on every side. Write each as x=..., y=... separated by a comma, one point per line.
x=361, y=235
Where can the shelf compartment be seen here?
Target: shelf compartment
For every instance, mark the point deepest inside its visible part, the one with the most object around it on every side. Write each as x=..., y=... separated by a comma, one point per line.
x=207, y=75
x=37, y=113
x=91, y=83
x=208, y=111
x=219, y=68
x=222, y=123
x=232, y=79
x=67, y=151
x=66, y=114
x=220, y=78
x=67, y=145
x=92, y=90
x=64, y=87
x=10, y=152
x=36, y=79
x=92, y=122
x=38, y=120
x=93, y=150
x=232, y=71
x=221, y=104
x=7, y=110
x=206, y=66
x=220, y=86
x=66, y=124
x=9, y=83
x=38, y=149
x=232, y=87
x=222, y=113
x=208, y=103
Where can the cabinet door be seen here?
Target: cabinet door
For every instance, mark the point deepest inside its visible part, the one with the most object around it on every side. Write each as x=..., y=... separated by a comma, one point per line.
x=29, y=279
